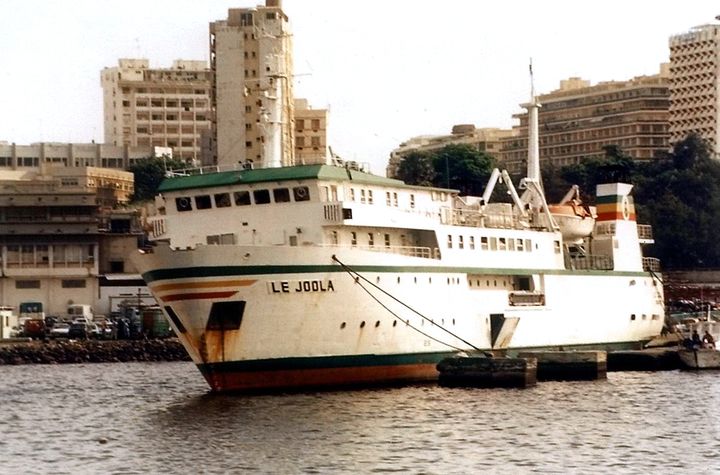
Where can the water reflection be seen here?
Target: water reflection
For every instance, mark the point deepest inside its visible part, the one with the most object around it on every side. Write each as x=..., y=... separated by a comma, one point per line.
x=161, y=418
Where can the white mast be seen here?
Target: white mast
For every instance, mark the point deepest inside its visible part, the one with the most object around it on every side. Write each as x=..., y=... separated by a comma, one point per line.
x=271, y=115
x=533, y=165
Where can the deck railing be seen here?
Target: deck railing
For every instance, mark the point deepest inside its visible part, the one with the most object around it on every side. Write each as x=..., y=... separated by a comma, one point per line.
x=589, y=262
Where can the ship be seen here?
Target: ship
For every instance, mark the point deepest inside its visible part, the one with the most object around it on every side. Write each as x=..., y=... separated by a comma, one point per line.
x=327, y=276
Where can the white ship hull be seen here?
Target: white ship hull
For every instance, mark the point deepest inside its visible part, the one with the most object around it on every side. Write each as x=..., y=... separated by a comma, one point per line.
x=295, y=317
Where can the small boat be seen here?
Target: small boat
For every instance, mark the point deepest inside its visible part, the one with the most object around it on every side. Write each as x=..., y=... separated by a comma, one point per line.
x=701, y=358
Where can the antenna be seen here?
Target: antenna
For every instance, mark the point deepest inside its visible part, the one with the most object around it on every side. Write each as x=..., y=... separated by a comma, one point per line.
x=532, y=83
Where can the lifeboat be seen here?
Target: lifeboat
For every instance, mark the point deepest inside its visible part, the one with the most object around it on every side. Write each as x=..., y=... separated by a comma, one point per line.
x=576, y=220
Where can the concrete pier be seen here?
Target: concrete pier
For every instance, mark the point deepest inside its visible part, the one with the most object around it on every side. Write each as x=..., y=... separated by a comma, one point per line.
x=568, y=365
x=655, y=359
x=484, y=372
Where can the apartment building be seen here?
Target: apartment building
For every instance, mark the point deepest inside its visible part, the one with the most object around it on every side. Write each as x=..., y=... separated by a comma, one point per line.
x=157, y=107
x=61, y=230
x=695, y=85
x=73, y=155
x=311, y=145
x=487, y=140
x=252, y=91
x=577, y=120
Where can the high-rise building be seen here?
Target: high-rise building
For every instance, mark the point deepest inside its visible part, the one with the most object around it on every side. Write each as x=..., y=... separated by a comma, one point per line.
x=165, y=107
x=311, y=144
x=483, y=139
x=252, y=92
x=695, y=85
x=578, y=120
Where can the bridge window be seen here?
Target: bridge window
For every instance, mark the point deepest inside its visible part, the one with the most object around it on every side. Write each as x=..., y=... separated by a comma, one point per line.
x=183, y=203
x=449, y=241
x=222, y=200
x=242, y=198
x=371, y=239
x=203, y=202
x=301, y=193
x=472, y=242
x=261, y=197
x=461, y=242
x=281, y=195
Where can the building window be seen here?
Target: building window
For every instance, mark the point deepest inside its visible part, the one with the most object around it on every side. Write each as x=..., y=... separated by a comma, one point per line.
x=27, y=284
x=73, y=284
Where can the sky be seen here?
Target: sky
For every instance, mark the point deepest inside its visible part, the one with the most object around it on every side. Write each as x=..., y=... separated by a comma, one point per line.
x=387, y=70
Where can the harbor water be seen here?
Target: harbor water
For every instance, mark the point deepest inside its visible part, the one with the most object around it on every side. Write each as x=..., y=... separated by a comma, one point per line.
x=160, y=418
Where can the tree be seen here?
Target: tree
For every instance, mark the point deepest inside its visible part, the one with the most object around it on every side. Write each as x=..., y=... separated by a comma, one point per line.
x=462, y=167
x=149, y=173
x=416, y=169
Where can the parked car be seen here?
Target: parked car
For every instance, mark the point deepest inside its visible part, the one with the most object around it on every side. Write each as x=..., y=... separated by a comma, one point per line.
x=60, y=330
x=79, y=330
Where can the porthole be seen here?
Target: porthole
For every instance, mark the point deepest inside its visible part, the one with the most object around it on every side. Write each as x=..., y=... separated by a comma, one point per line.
x=394, y=323
x=415, y=279
x=342, y=325
x=398, y=279
x=377, y=279
x=632, y=317
x=362, y=324
x=377, y=324
x=453, y=321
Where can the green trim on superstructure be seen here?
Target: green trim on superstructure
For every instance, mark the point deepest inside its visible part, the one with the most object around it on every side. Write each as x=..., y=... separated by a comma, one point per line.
x=224, y=271
x=263, y=175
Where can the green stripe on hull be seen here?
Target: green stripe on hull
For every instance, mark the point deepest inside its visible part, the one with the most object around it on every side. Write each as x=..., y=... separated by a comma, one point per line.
x=224, y=271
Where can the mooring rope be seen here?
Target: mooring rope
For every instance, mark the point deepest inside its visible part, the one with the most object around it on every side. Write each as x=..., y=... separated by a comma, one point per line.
x=353, y=273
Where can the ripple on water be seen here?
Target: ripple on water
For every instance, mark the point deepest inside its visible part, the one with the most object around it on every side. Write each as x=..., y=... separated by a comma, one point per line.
x=159, y=417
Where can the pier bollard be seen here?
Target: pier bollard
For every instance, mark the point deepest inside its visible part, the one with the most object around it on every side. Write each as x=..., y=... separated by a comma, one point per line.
x=568, y=365
x=484, y=372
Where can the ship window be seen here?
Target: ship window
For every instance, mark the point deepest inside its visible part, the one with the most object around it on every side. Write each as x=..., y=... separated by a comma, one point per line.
x=493, y=244
x=449, y=241
x=362, y=196
x=353, y=238
x=371, y=239
x=461, y=242
x=412, y=200
x=484, y=243
x=261, y=197
x=352, y=194
x=472, y=242
x=557, y=247
x=334, y=237
x=511, y=244
x=222, y=200
x=301, y=193
x=242, y=198
x=281, y=195
x=520, y=246
x=395, y=200
x=387, y=240
x=502, y=244
x=370, y=197
x=226, y=315
x=203, y=202
x=387, y=198
x=528, y=245
x=183, y=203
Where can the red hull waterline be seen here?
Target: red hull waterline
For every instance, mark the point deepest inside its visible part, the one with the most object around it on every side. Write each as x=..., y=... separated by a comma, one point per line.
x=229, y=380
